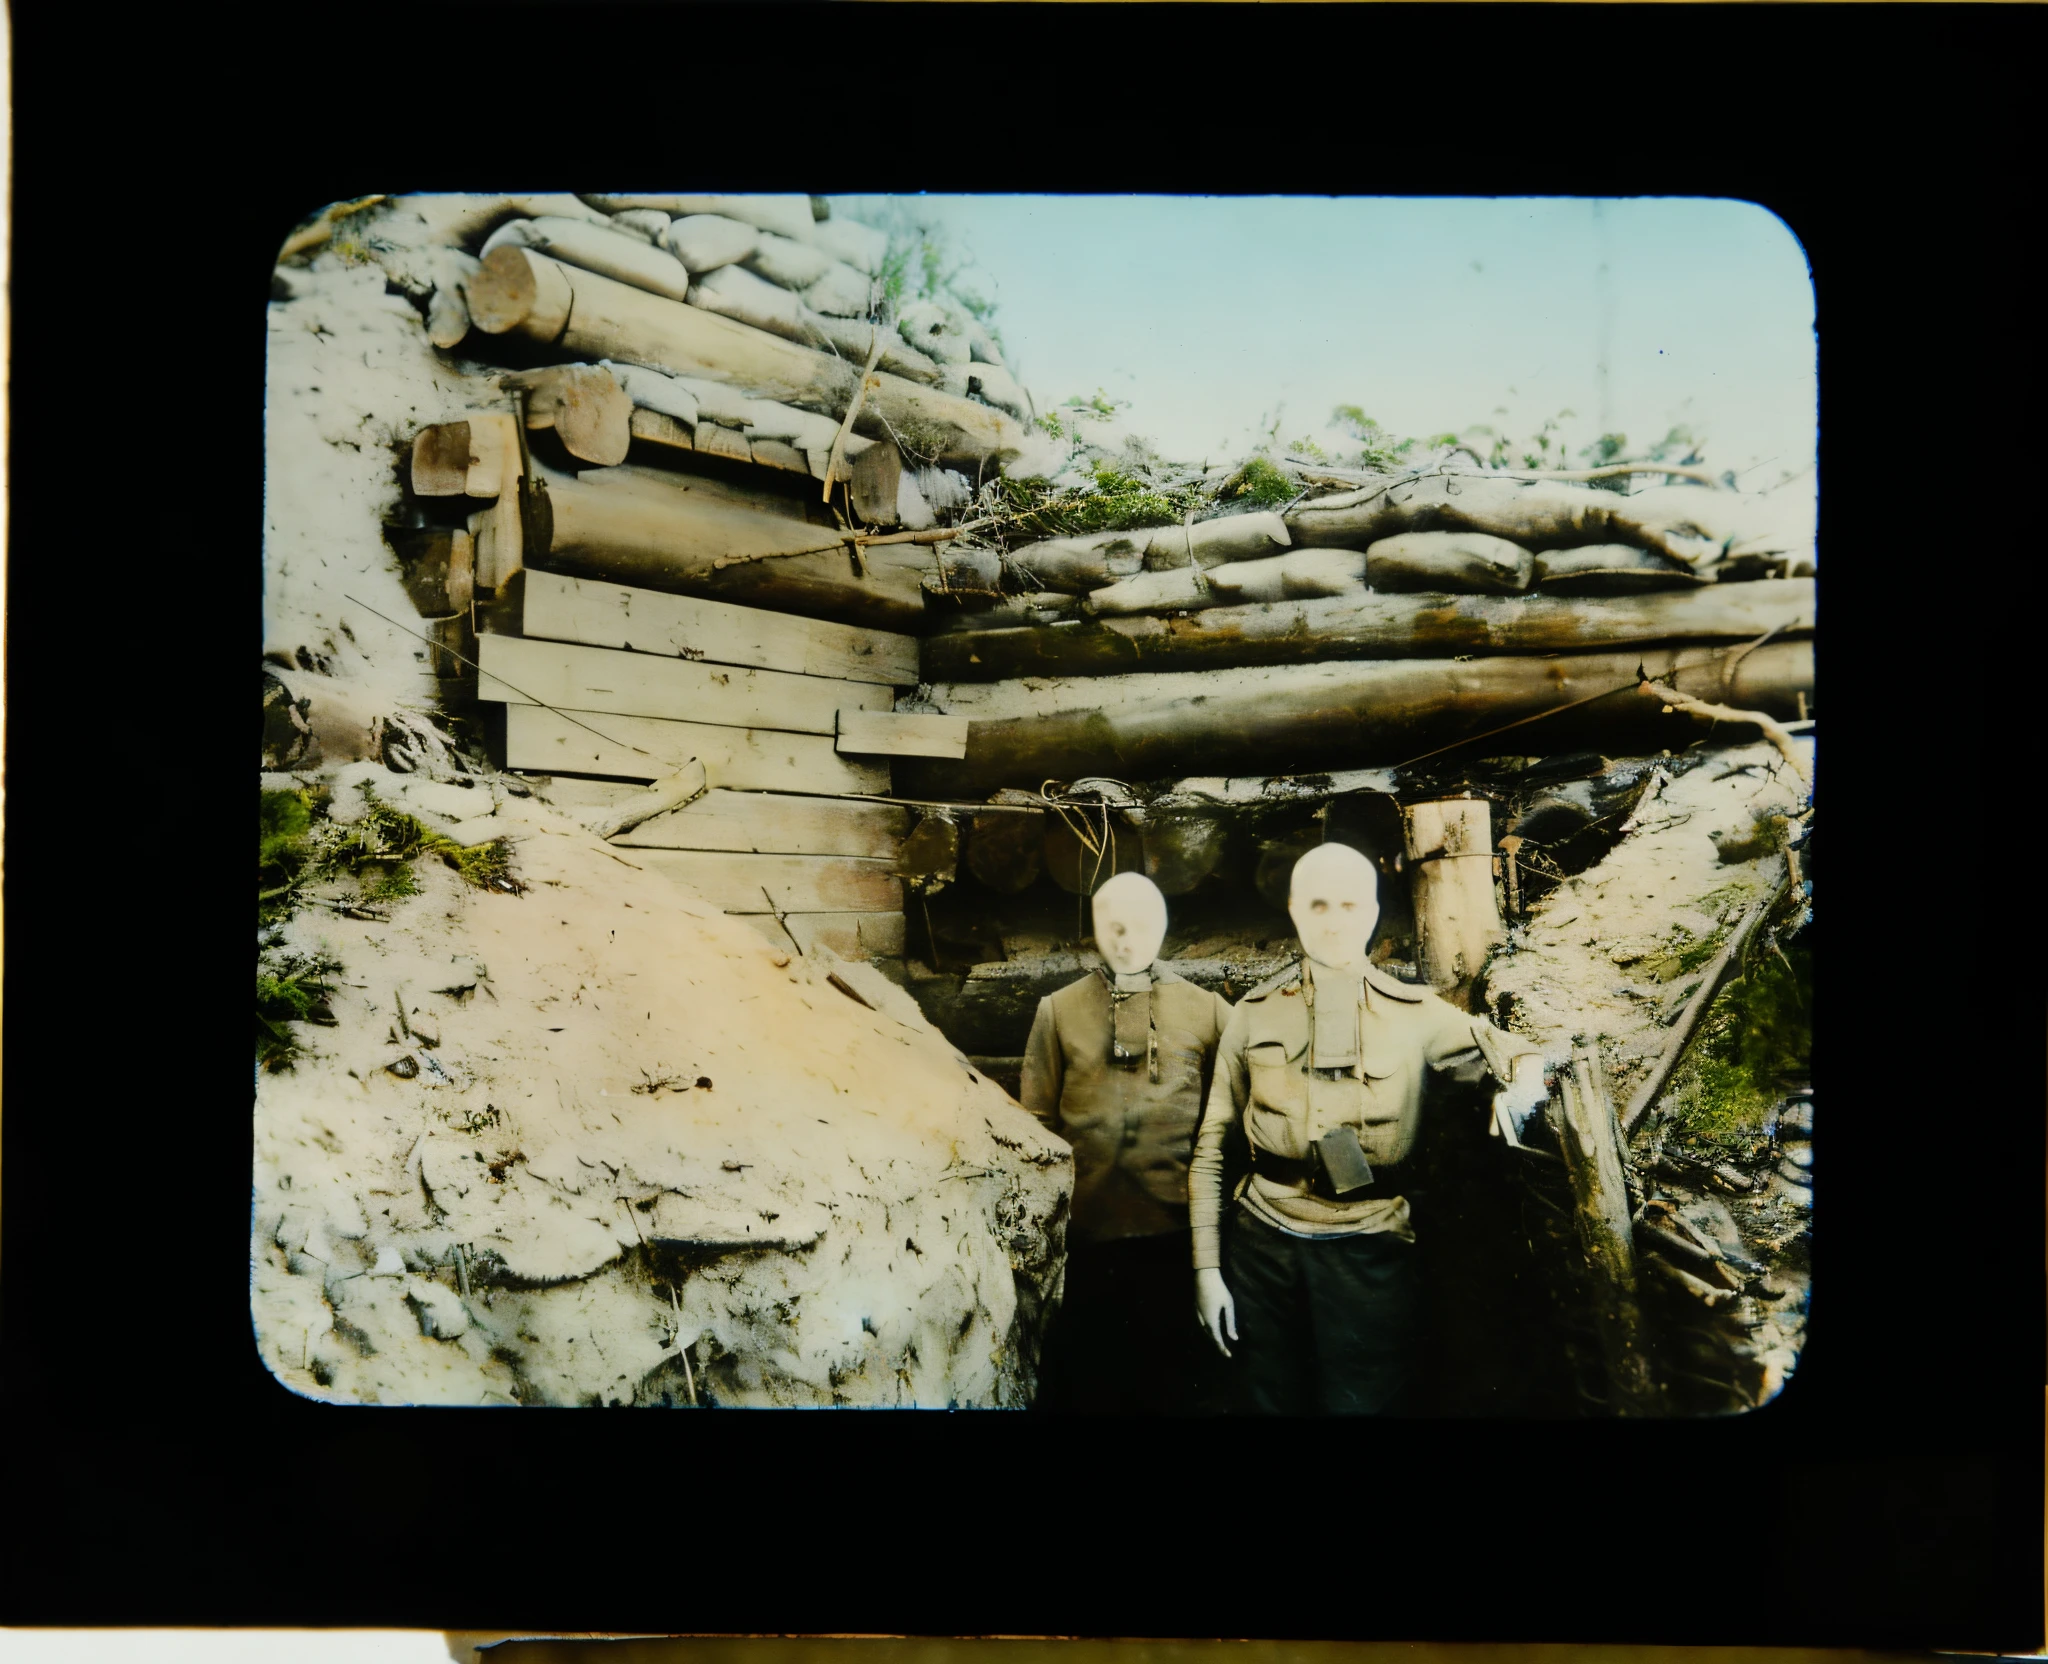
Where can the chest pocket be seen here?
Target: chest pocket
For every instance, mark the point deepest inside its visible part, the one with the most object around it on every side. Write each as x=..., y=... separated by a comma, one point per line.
x=1275, y=1076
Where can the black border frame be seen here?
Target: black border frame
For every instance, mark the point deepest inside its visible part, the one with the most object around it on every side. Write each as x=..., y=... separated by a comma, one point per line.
x=158, y=1474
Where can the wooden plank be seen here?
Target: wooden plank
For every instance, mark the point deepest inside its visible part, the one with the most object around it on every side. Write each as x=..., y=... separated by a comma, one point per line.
x=766, y=823
x=782, y=883
x=577, y=678
x=561, y=608
x=658, y=428
x=544, y=741
x=885, y=734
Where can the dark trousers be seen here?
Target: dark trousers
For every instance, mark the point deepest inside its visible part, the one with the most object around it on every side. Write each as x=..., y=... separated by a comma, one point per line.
x=1125, y=1340
x=1326, y=1325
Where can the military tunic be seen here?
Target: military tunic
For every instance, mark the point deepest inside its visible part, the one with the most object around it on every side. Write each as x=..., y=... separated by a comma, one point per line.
x=1120, y=1074
x=1374, y=1038
x=1132, y=1120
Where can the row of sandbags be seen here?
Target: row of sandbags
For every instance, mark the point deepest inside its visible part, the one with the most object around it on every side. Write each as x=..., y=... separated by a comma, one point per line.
x=764, y=262
x=1455, y=533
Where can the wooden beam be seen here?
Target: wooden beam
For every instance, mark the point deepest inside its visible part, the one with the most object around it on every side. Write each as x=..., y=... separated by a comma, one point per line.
x=1358, y=714
x=782, y=883
x=1378, y=626
x=868, y=733
x=767, y=823
x=1450, y=864
x=560, y=608
x=1592, y=1148
x=520, y=671
x=684, y=541
x=440, y=460
x=604, y=319
x=543, y=741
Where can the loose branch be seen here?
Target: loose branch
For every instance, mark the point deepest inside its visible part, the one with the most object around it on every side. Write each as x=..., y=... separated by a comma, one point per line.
x=860, y=540
x=860, y=394
x=1772, y=729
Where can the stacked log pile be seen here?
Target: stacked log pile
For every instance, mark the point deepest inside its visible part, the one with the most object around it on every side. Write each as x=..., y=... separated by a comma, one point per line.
x=632, y=564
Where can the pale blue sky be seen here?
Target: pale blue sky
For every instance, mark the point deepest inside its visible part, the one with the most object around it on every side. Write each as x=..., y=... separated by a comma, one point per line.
x=1431, y=313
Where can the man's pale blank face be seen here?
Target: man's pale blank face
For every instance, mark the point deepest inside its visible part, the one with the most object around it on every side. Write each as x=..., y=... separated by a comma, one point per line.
x=1130, y=922
x=1334, y=901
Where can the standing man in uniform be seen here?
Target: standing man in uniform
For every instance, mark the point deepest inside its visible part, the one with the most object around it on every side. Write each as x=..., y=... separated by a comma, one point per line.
x=1313, y=1257
x=1117, y=1065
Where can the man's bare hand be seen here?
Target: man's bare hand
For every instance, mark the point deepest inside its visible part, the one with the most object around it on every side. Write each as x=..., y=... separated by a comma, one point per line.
x=1214, y=1308
x=1519, y=1102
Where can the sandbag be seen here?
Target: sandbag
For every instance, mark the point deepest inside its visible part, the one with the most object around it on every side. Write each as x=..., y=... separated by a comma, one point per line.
x=1299, y=575
x=1458, y=563
x=1611, y=569
x=704, y=242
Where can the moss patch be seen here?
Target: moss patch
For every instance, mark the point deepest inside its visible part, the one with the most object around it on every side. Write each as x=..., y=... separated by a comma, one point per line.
x=1756, y=1037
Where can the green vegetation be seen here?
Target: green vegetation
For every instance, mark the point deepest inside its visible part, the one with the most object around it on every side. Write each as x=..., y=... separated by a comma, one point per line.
x=1756, y=1036
x=298, y=845
x=1262, y=483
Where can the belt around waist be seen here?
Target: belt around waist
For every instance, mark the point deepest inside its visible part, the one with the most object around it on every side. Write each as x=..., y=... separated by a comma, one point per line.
x=1387, y=1177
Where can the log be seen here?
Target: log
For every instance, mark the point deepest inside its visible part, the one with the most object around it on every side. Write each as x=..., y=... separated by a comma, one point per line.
x=1181, y=849
x=585, y=405
x=1449, y=849
x=1302, y=574
x=1073, y=864
x=1537, y=514
x=1456, y=563
x=439, y=568
x=613, y=320
x=559, y=608
x=447, y=315
x=517, y=288
x=930, y=856
x=685, y=786
x=519, y=671
x=598, y=248
x=875, y=733
x=770, y=823
x=782, y=883
x=1592, y=1150
x=440, y=460
x=1611, y=569
x=543, y=741
x=674, y=541
x=1325, y=716
x=704, y=242
x=668, y=486
x=979, y=617
x=1005, y=852
x=497, y=466
x=1406, y=626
